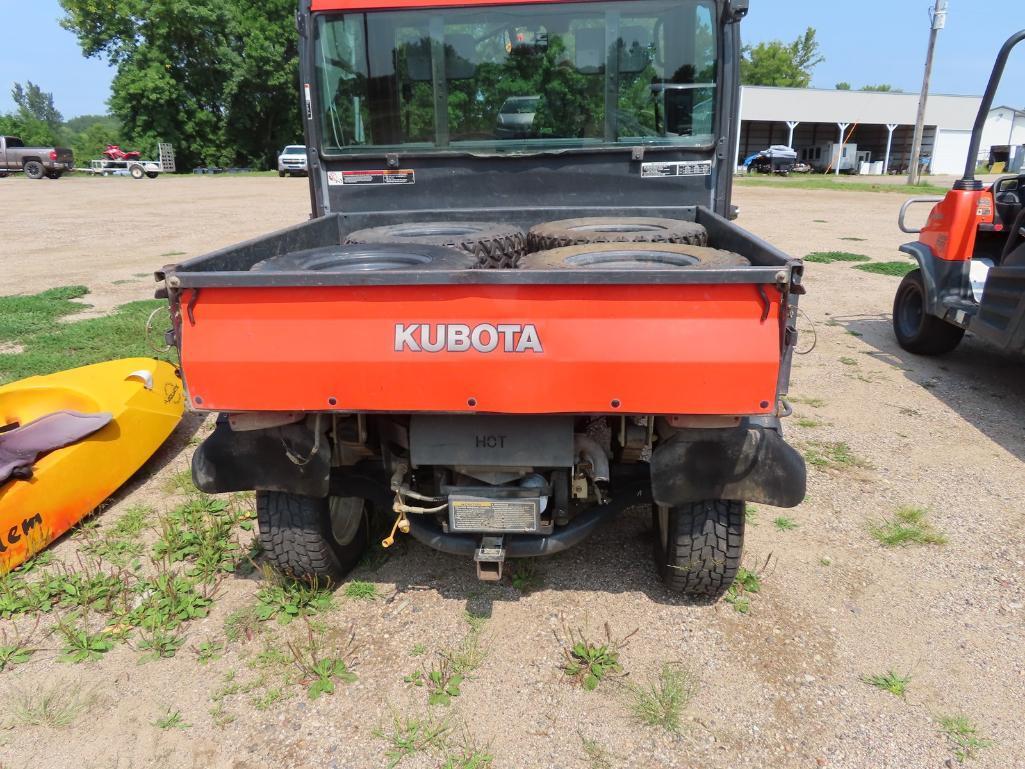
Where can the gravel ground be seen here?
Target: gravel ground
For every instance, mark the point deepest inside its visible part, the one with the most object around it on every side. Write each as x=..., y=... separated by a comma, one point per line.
x=778, y=687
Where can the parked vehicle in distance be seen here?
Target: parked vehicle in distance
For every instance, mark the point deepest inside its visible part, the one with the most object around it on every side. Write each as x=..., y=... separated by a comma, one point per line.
x=35, y=162
x=516, y=117
x=777, y=159
x=293, y=161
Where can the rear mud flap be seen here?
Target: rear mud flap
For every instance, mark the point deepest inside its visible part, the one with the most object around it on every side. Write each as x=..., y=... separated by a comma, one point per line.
x=751, y=463
x=259, y=459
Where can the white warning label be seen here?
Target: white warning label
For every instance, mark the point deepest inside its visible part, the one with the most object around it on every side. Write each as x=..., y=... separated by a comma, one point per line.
x=682, y=168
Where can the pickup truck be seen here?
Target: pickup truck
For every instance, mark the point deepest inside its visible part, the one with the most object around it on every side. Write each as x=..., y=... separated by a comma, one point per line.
x=496, y=343
x=36, y=162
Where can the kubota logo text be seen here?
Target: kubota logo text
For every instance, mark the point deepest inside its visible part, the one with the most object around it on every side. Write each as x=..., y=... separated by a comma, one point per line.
x=460, y=337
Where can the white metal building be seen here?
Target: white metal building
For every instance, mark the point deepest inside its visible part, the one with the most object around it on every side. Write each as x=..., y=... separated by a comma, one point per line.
x=1004, y=137
x=880, y=124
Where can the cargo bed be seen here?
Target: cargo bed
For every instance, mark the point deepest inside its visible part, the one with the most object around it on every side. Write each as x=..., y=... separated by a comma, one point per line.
x=684, y=341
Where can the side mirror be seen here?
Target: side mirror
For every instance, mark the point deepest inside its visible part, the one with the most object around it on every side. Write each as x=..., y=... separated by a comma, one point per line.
x=737, y=9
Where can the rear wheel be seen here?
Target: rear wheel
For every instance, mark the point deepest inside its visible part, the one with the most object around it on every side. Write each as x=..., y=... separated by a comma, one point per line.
x=282, y=174
x=494, y=245
x=309, y=538
x=917, y=331
x=136, y=172
x=152, y=174
x=34, y=170
x=698, y=546
x=572, y=232
x=632, y=256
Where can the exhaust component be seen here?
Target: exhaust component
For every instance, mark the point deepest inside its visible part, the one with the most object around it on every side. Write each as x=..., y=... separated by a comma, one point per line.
x=587, y=448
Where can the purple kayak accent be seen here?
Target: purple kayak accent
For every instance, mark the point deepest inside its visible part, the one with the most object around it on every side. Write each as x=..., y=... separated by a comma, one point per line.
x=20, y=447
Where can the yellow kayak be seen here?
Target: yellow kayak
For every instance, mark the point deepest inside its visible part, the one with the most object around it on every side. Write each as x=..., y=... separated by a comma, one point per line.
x=142, y=399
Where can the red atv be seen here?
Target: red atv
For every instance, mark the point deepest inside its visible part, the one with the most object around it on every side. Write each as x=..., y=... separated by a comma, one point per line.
x=114, y=152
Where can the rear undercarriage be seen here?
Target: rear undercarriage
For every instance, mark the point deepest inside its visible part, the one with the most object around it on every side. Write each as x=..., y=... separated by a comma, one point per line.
x=492, y=488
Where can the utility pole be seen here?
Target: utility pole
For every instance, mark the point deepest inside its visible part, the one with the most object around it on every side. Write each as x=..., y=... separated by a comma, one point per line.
x=939, y=21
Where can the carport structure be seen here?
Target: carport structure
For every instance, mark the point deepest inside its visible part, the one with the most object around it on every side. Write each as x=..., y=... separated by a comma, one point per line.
x=879, y=123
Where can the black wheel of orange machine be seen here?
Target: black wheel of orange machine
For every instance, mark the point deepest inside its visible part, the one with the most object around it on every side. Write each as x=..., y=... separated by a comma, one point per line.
x=572, y=232
x=494, y=245
x=632, y=256
x=369, y=258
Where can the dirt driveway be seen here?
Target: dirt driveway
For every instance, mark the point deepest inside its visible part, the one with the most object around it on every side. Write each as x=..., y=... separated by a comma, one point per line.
x=779, y=686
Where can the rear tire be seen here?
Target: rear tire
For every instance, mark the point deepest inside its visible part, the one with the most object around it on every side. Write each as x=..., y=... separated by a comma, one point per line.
x=136, y=172
x=698, y=546
x=572, y=232
x=632, y=256
x=34, y=169
x=494, y=245
x=916, y=330
x=297, y=534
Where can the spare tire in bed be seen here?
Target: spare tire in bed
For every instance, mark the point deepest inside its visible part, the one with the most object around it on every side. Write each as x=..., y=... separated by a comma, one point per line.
x=369, y=258
x=571, y=232
x=494, y=245
x=632, y=256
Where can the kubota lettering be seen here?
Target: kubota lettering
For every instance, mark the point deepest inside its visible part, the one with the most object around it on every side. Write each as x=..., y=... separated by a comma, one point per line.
x=461, y=337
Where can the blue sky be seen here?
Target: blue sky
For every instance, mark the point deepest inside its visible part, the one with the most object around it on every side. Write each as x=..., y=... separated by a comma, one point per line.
x=867, y=42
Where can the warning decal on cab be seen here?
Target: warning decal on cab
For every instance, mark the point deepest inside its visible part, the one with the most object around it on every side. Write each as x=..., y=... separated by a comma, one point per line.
x=353, y=178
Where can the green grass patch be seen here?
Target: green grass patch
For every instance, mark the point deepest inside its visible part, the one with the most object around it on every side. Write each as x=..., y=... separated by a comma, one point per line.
x=808, y=423
x=837, y=455
x=907, y=527
x=963, y=736
x=828, y=257
x=831, y=183
x=745, y=584
x=782, y=523
x=891, y=682
x=34, y=324
x=893, y=269
x=363, y=591
x=662, y=701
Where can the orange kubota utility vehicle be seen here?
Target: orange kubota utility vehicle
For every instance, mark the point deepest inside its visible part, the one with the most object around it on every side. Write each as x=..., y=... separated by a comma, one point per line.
x=970, y=254
x=520, y=307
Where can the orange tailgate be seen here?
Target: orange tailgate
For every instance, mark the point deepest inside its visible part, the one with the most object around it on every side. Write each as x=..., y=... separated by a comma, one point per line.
x=649, y=349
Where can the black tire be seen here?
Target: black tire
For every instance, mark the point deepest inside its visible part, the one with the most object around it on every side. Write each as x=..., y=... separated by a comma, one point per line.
x=572, y=232
x=136, y=172
x=152, y=174
x=916, y=330
x=34, y=169
x=366, y=258
x=493, y=245
x=297, y=536
x=282, y=174
x=698, y=546
x=55, y=175
x=632, y=256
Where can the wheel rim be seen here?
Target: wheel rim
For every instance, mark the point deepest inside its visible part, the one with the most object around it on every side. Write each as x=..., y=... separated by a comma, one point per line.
x=346, y=515
x=910, y=311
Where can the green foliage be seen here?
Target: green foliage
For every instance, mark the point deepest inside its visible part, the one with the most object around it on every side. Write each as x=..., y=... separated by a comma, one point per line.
x=363, y=591
x=783, y=523
x=201, y=531
x=828, y=257
x=590, y=662
x=843, y=184
x=208, y=651
x=835, y=455
x=963, y=735
x=408, y=736
x=881, y=88
x=893, y=269
x=166, y=601
x=776, y=63
x=891, y=682
x=49, y=345
x=285, y=600
x=80, y=645
x=221, y=87
x=441, y=682
x=35, y=103
x=320, y=671
x=159, y=644
x=843, y=85
x=526, y=577
x=661, y=702
x=907, y=527
x=745, y=584
x=324, y=673
x=172, y=720
x=16, y=653
x=54, y=706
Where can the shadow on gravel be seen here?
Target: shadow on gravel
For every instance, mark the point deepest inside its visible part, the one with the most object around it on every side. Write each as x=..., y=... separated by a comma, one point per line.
x=979, y=382
x=615, y=559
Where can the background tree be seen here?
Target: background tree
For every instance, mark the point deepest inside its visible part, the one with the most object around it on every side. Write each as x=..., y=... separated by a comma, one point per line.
x=217, y=78
x=843, y=86
x=882, y=87
x=776, y=63
x=35, y=103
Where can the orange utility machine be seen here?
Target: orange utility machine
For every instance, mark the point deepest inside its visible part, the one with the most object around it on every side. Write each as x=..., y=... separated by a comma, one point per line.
x=520, y=307
x=971, y=256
